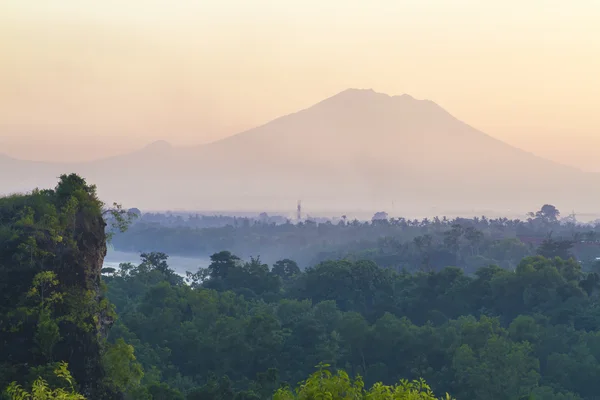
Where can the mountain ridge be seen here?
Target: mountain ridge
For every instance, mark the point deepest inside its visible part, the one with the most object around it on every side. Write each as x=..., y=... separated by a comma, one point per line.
x=354, y=148
x=164, y=145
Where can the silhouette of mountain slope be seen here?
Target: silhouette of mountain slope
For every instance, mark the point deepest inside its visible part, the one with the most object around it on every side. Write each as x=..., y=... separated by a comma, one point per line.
x=356, y=149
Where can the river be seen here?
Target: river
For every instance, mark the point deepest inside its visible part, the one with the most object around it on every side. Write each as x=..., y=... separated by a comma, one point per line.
x=179, y=264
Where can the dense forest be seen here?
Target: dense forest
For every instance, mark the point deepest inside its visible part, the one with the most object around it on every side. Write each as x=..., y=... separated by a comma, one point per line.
x=407, y=319
x=57, y=334
x=496, y=334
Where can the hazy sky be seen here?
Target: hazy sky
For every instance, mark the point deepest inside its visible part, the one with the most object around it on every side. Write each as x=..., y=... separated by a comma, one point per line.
x=86, y=78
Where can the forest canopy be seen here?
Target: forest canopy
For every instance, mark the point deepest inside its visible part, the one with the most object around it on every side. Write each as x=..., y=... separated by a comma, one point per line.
x=414, y=317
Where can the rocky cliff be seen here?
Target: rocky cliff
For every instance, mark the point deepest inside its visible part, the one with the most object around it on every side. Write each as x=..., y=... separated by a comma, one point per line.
x=52, y=246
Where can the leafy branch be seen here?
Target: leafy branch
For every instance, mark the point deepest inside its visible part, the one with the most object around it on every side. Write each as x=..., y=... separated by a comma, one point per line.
x=119, y=219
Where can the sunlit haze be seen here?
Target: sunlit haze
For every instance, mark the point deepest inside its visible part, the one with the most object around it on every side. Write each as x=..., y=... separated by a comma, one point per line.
x=84, y=79
x=294, y=199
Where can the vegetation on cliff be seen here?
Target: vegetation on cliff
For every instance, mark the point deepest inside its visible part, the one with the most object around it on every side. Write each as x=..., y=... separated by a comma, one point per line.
x=52, y=305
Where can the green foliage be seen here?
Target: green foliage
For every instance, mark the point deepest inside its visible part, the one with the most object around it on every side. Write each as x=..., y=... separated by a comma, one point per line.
x=500, y=369
x=286, y=269
x=47, y=335
x=51, y=302
x=323, y=384
x=500, y=333
x=122, y=370
x=551, y=248
x=119, y=219
x=227, y=272
x=41, y=391
x=43, y=289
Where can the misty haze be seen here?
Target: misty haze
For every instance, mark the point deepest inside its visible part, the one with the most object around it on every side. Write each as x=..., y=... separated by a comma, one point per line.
x=236, y=200
x=358, y=151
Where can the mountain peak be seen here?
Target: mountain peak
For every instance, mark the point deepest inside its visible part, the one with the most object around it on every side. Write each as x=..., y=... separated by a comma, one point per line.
x=355, y=95
x=358, y=90
x=348, y=151
x=405, y=96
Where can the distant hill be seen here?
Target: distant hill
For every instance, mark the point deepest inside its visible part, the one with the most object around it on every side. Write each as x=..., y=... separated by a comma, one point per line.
x=356, y=150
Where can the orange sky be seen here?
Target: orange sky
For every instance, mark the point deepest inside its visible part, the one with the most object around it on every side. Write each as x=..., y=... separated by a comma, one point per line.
x=84, y=79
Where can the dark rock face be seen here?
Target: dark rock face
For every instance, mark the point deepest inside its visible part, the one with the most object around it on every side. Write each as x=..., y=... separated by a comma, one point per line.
x=87, y=262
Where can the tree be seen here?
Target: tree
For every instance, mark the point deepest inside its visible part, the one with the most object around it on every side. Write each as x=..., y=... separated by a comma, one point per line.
x=323, y=384
x=452, y=238
x=424, y=244
x=155, y=260
x=474, y=236
x=45, y=294
x=41, y=391
x=380, y=216
x=47, y=334
x=500, y=369
x=547, y=214
x=551, y=248
x=121, y=367
x=119, y=219
x=221, y=264
x=285, y=269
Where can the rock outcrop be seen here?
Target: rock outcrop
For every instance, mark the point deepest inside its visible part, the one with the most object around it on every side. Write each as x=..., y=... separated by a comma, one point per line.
x=60, y=233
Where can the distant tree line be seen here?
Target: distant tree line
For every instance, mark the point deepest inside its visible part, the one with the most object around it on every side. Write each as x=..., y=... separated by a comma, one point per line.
x=397, y=243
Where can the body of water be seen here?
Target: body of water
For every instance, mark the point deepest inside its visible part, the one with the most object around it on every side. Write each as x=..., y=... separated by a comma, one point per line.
x=179, y=264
